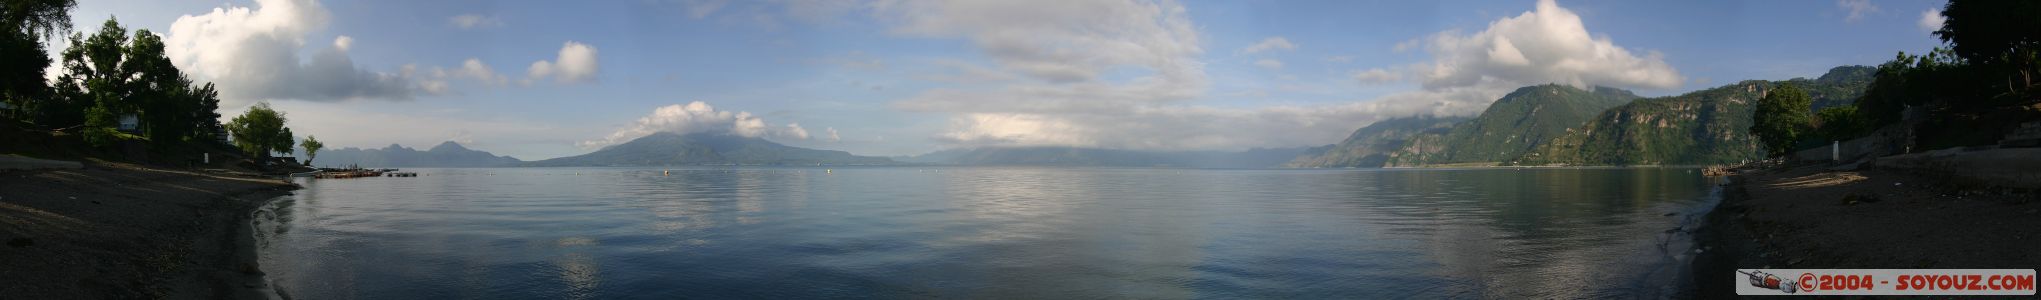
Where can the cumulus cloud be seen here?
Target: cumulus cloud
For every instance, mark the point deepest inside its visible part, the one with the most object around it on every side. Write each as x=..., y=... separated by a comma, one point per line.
x=253, y=53
x=1268, y=63
x=1932, y=19
x=576, y=63
x=1547, y=45
x=1270, y=43
x=474, y=21
x=696, y=117
x=1858, y=9
x=832, y=134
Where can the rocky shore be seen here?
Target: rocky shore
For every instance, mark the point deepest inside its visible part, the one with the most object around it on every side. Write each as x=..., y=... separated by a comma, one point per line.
x=1847, y=217
x=118, y=231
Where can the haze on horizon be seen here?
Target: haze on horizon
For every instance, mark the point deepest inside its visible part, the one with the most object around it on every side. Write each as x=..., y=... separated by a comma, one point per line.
x=539, y=80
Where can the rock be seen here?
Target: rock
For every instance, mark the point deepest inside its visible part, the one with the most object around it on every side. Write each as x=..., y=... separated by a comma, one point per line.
x=1859, y=197
x=20, y=242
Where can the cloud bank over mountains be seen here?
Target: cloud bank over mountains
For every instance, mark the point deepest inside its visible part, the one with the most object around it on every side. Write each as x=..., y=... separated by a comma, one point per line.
x=698, y=117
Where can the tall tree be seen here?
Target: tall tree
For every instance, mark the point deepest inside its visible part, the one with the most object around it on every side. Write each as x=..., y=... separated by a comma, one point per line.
x=22, y=58
x=37, y=17
x=312, y=146
x=96, y=78
x=2002, y=36
x=1781, y=119
x=260, y=131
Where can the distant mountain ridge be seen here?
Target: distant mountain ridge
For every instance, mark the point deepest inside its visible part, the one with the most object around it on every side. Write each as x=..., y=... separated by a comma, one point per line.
x=1369, y=147
x=672, y=149
x=447, y=154
x=1079, y=156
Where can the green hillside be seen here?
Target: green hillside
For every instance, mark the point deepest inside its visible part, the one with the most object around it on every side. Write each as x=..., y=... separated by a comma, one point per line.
x=1512, y=126
x=1703, y=127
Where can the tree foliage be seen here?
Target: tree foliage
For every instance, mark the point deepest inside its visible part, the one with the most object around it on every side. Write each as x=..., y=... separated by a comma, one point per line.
x=1781, y=119
x=37, y=17
x=110, y=74
x=260, y=131
x=1840, y=123
x=312, y=146
x=22, y=58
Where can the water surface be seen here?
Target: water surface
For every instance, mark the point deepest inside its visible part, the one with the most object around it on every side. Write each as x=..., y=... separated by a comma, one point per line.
x=905, y=232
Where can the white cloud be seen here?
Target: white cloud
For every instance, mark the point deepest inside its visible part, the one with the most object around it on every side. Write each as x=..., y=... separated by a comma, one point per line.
x=476, y=70
x=1376, y=76
x=253, y=53
x=1270, y=43
x=1932, y=19
x=1465, y=73
x=1858, y=9
x=697, y=117
x=1061, y=42
x=576, y=63
x=474, y=21
x=832, y=134
x=1548, y=45
x=343, y=43
x=1268, y=63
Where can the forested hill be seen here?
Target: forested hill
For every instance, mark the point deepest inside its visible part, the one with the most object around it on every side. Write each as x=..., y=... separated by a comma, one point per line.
x=1512, y=126
x=1703, y=127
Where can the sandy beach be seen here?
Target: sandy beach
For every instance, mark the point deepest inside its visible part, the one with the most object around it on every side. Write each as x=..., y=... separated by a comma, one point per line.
x=1871, y=218
x=124, y=231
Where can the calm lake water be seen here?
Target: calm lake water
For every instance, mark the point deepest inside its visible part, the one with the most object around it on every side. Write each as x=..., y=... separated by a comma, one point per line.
x=1059, y=233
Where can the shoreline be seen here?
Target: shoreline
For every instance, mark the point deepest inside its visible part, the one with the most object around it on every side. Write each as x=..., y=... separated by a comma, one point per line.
x=1868, y=217
x=127, y=231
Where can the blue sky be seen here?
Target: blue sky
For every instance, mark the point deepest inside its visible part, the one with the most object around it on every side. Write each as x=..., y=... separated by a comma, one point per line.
x=902, y=77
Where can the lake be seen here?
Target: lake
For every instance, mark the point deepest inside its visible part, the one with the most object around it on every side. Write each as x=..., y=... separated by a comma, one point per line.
x=986, y=232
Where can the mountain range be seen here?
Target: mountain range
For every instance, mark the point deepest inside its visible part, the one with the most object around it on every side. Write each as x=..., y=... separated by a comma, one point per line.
x=673, y=149
x=1563, y=125
x=1077, y=156
x=447, y=154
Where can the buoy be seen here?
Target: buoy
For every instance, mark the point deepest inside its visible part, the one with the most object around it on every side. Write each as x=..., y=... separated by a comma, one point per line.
x=828, y=171
x=666, y=173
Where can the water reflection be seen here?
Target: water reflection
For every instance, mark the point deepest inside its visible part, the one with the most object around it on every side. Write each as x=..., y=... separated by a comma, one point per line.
x=983, y=233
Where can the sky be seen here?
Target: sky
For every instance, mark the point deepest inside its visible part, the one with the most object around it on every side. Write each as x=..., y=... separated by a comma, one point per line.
x=544, y=79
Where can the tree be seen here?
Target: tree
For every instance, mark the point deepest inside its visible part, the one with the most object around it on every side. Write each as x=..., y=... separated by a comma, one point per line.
x=312, y=146
x=260, y=131
x=2003, y=38
x=37, y=17
x=1781, y=119
x=1840, y=123
x=22, y=57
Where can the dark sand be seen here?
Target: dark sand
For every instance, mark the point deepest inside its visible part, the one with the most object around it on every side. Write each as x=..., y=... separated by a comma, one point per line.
x=123, y=232
x=1807, y=217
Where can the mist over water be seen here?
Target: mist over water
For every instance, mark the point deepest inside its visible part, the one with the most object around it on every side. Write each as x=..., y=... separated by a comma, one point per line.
x=903, y=232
